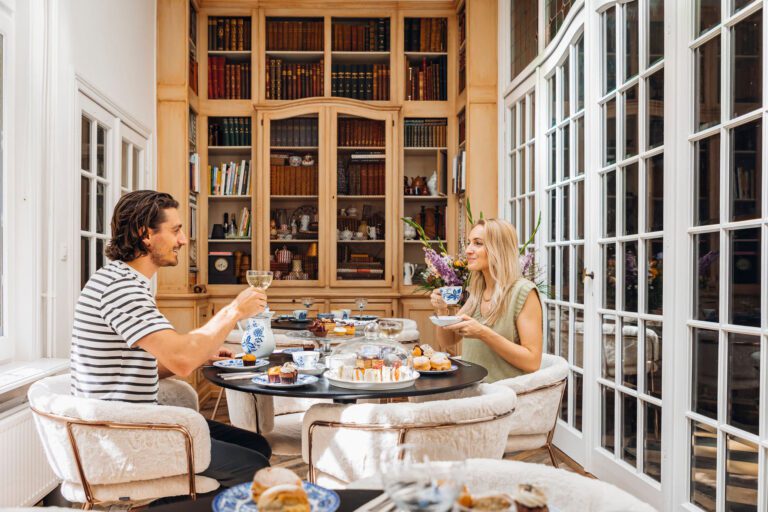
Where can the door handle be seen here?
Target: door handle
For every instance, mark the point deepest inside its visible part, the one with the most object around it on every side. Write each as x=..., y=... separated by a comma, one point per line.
x=590, y=275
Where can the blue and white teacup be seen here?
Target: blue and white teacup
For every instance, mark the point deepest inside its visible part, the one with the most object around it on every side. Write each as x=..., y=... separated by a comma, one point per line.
x=306, y=359
x=300, y=314
x=451, y=294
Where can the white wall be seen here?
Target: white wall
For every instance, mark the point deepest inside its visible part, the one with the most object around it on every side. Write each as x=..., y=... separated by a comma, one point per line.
x=110, y=45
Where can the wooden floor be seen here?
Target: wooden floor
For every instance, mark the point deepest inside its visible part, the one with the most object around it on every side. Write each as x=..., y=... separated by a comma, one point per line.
x=540, y=456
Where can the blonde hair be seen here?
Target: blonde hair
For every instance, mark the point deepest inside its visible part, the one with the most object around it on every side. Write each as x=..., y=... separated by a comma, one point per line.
x=500, y=240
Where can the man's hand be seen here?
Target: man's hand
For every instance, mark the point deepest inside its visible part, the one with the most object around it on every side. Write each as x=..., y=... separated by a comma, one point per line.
x=250, y=302
x=223, y=353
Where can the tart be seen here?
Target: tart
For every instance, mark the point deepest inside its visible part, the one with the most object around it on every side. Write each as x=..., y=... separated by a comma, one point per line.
x=530, y=499
x=249, y=360
x=270, y=477
x=273, y=375
x=289, y=373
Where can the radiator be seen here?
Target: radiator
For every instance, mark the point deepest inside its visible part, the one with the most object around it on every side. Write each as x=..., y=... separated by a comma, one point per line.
x=25, y=476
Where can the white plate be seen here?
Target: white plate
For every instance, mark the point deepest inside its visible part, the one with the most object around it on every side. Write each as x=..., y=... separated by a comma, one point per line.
x=236, y=365
x=452, y=369
x=317, y=370
x=442, y=321
x=238, y=499
x=353, y=384
x=301, y=380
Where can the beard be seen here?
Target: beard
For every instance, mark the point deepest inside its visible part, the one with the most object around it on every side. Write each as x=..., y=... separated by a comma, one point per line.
x=164, y=258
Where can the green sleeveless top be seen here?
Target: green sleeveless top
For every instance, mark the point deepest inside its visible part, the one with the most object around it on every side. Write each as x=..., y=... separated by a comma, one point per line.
x=476, y=351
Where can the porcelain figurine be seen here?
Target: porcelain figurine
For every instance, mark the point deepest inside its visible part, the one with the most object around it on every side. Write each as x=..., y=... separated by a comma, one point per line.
x=432, y=184
x=408, y=271
x=409, y=232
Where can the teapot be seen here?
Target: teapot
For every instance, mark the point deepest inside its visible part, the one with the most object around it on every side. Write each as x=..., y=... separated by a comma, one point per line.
x=346, y=235
x=408, y=270
x=257, y=335
x=283, y=255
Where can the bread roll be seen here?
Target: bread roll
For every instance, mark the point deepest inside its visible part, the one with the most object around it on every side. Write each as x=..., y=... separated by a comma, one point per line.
x=270, y=477
x=284, y=498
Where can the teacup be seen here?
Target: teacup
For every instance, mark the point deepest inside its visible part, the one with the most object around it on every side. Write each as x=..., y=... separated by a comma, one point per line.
x=306, y=359
x=451, y=294
x=340, y=314
x=300, y=314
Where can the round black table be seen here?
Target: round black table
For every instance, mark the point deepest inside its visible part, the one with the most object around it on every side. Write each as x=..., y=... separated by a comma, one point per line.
x=465, y=376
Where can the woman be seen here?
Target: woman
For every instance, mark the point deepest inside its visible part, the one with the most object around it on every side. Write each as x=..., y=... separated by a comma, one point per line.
x=501, y=326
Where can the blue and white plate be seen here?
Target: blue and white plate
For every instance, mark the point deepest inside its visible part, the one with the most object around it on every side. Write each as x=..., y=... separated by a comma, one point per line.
x=238, y=499
x=301, y=380
x=452, y=369
x=236, y=365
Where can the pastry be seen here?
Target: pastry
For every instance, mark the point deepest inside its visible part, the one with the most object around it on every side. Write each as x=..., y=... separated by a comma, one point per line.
x=339, y=330
x=464, y=499
x=288, y=373
x=249, y=360
x=273, y=375
x=440, y=361
x=416, y=352
x=427, y=350
x=270, y=477
x=350, y=330
x=318, y=328
x=421, y=363
x=284, y=498
x=492, y=503
x=530, y=499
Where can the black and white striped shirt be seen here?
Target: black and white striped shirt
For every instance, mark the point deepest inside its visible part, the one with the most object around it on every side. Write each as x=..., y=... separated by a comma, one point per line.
x=115, y=310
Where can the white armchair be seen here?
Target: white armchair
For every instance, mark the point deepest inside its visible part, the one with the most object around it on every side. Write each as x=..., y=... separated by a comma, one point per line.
x=107, y=452
x=538, y=402
x=342, y=443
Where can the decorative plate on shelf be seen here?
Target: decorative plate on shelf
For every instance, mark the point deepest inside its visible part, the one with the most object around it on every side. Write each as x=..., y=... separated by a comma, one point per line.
x=236, y=365
x=301, y=380
x=238, y=499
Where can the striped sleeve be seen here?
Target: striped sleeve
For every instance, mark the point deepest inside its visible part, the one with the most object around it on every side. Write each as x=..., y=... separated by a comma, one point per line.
x=129, y=309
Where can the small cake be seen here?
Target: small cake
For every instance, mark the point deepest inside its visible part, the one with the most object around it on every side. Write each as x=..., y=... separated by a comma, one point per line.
x=464, y=499
x=440, y=361
x=350, y=330
x=270, y=477
x=288, y=373
x=530, y=499
x=372, y=375
x=339, y=330
x=427, y=350
x=377, y=363
x=492, y=503
x=273, y=375
x=318, y=328
x=284, y=498
x=416, y=352
x=249, y=360
x=421, y=363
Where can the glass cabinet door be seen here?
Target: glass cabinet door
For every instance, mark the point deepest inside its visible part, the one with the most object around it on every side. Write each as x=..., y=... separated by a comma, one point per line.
x=292, y=194
x=362, y=206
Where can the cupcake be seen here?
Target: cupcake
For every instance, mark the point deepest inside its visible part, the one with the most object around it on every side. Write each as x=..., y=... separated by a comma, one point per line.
x=273, y=374
x=270, y=477
x=249, y=360
x=288, y=373
x=530, y=499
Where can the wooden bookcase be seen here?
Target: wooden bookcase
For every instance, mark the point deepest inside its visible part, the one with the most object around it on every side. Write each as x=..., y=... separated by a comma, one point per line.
x=310, y=43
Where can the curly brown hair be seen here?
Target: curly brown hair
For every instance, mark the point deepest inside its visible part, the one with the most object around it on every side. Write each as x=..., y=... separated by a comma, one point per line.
x=135, y=213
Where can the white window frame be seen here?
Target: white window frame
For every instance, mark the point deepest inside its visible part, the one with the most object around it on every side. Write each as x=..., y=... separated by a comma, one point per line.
x=9, y=309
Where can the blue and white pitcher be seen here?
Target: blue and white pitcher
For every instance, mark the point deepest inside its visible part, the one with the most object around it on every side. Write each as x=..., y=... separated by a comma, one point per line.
x=257, y=335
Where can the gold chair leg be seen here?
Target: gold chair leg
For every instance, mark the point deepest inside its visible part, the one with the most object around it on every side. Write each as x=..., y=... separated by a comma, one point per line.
x=552, y=455
x=218, y=401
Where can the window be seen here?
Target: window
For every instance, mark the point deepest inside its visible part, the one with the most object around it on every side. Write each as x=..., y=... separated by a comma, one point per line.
x=2, y=193
x=524, y=34
x=557, y=10
x=521, y=163
x=726, y=236
x=565, y=238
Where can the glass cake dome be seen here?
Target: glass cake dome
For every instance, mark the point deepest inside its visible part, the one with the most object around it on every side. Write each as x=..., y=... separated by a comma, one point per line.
x=371, y=361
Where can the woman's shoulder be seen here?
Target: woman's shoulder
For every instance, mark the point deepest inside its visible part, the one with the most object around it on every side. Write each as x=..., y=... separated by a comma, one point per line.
x=522, y=285
x=519, y=293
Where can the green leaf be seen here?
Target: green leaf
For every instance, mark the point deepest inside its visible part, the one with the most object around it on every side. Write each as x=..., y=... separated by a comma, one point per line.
x=533, y=235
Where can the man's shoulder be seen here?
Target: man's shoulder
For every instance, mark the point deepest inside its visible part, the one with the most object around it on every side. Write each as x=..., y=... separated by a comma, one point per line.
x=113, y=277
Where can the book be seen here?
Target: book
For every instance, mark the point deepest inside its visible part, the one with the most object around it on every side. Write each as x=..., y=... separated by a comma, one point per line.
x=227, y=33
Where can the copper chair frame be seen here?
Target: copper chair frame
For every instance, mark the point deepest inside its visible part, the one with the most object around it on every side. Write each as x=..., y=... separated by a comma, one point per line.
x=401, y=429
x=90, y=501
x=551, y=433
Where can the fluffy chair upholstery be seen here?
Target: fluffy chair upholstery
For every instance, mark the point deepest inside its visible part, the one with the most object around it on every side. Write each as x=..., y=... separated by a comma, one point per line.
x=279, y=418
x=177, y=392
x=114, y=459
x=342, y=454
x=568, y=491
x=538, y=402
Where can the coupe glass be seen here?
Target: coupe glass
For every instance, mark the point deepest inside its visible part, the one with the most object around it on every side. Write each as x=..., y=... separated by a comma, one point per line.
x=390, y=328
x=416, y=483
x=259, y=278
x=307, y=301
x=361, y=303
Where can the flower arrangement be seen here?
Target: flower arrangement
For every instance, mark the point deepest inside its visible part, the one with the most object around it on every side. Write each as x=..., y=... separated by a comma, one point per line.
x=444, y=269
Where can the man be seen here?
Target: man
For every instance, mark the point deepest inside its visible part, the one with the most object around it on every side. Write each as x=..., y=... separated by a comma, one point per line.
x=122, y=344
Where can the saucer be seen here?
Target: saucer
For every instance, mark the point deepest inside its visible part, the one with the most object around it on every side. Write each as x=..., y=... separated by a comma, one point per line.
x=317, y=370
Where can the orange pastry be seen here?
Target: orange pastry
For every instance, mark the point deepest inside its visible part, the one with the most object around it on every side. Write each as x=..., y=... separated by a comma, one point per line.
x=270, y=477
x=273, y=374
x=421, y=363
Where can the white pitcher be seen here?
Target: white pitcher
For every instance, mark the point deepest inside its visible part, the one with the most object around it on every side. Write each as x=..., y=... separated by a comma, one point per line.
x=408, y=270
x=257, y=335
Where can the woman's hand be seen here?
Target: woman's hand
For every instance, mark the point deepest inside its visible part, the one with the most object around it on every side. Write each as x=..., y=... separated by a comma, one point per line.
x=441, y=307
x=468, y=327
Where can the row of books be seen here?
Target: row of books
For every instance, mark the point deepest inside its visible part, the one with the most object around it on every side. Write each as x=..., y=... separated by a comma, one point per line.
x=229, y=34
x=228, y=81
x=302, y=35
x=231, y=179
x=243, y=228
x=291, y=81
x=360, y=81
x=426, y=34
x=294, y=132
x=427, y=81
x=229, y=131
x=193, y=72
x=288, y=180
x=426, y=133
x=370, y=35
x=361, y=132
x=362, y=177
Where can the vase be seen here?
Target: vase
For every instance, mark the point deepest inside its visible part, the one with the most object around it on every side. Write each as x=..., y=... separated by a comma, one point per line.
x=409, y=232
x=432, y=184
x=408, y=271
x=257, y=335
